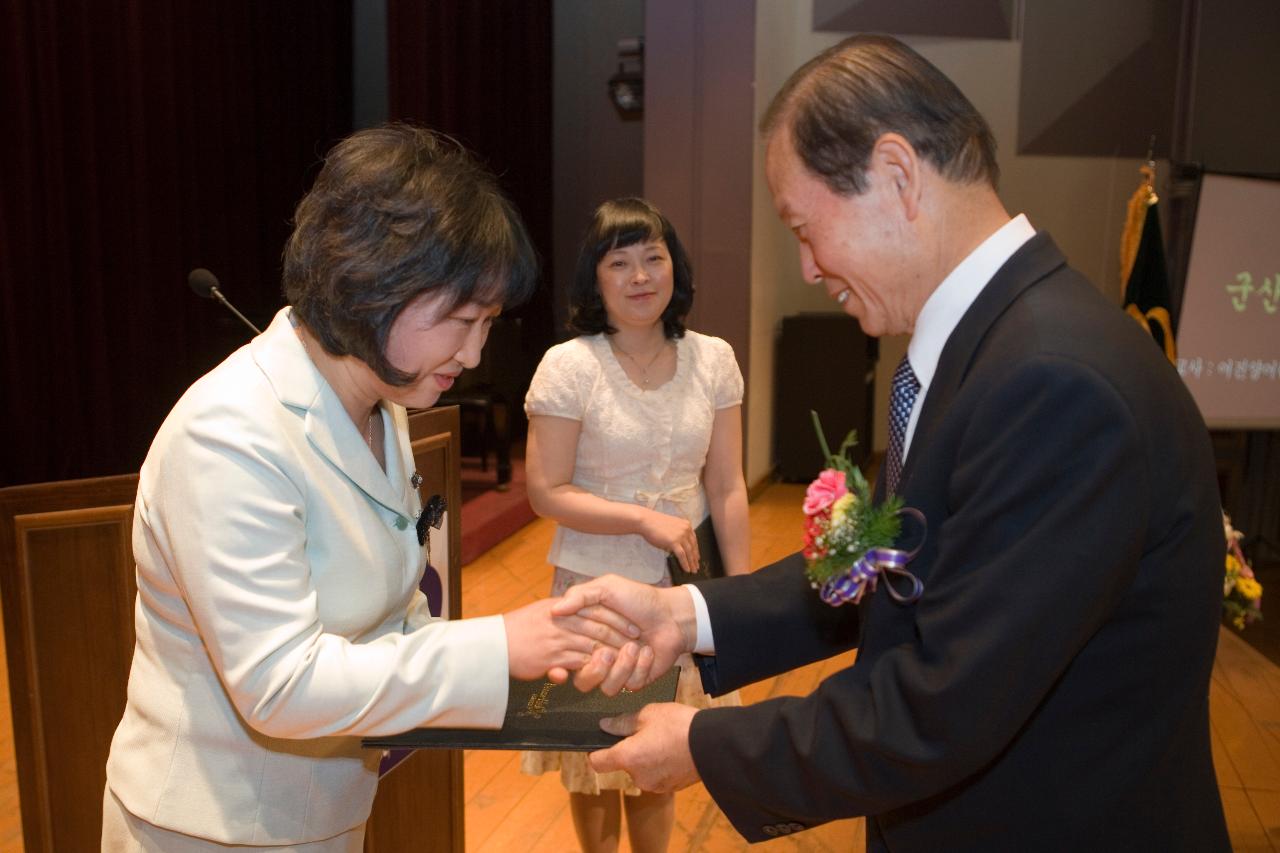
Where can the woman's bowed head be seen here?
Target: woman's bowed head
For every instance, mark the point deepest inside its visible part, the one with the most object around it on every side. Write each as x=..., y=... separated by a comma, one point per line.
x=402, y=253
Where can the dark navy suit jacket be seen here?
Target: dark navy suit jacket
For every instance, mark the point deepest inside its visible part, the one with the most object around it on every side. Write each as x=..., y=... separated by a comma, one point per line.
x=1050, y=688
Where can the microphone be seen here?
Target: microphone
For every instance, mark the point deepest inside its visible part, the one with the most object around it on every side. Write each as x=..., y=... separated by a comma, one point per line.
x=205, y=283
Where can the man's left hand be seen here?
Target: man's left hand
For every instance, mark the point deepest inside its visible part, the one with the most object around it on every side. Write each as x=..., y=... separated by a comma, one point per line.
x=656, y=749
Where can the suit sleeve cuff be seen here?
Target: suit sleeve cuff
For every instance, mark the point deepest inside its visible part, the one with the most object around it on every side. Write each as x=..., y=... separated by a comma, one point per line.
x=704, y=643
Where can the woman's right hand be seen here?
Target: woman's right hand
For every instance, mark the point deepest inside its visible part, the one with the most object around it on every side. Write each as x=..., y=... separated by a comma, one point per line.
x=539, y=642
x=671, y=534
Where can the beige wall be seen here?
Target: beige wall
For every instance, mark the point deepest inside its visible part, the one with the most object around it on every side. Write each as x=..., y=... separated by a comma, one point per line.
x=1080, y=201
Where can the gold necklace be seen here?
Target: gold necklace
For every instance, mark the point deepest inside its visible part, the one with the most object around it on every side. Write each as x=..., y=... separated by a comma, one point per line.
x=644, y=369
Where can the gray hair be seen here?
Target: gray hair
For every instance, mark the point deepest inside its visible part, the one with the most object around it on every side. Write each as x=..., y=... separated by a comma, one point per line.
x=840, y=102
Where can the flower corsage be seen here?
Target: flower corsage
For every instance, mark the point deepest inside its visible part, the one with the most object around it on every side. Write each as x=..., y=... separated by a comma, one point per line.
x=847, y=539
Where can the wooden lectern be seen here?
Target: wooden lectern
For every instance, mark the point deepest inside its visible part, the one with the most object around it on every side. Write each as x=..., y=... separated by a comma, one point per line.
x=67, y=585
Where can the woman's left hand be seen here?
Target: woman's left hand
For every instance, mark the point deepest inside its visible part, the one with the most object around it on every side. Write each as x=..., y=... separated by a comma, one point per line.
x=539, y=643
x=672, y=534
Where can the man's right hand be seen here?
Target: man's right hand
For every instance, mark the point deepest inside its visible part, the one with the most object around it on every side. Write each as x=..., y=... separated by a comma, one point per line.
x=667, y=625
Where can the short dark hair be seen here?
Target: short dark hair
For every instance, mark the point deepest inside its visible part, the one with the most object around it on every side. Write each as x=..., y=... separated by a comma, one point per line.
x=839, y=103
x=396, y=212
x=617, y=224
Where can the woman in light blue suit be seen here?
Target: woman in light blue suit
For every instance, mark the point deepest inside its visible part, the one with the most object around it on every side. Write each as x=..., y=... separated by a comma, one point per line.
x=278, y=616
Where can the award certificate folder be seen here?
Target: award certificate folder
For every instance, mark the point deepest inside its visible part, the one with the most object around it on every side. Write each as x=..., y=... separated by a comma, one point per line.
x=710, y=564
x=542, y=715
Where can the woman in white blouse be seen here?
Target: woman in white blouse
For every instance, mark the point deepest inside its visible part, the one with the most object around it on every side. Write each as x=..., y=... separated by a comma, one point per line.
x=635, y=436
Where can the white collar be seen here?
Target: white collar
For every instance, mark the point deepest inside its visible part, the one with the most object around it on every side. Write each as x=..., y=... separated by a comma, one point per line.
x=949, y=302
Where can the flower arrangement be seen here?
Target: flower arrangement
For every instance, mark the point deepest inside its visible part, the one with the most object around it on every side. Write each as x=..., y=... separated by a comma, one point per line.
x=1241, y=592
x=847, y=538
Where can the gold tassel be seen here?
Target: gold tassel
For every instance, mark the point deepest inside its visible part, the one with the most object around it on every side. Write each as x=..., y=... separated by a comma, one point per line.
x=1143, y=197
x=1160, y=317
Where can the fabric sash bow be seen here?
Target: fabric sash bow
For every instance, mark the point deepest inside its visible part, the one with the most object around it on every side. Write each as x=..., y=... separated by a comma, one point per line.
x=684, y=498
x=867, y=569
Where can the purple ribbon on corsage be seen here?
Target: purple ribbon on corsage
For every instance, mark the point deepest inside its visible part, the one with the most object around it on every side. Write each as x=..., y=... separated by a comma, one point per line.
x=866, y=570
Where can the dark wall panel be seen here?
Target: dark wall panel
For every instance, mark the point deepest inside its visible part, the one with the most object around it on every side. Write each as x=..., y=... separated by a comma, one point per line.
x=979, y=19
x=1099, y=78
x=1236, y=102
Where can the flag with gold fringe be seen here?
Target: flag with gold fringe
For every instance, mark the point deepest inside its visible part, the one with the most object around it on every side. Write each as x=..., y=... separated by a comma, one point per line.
x=1142, y=266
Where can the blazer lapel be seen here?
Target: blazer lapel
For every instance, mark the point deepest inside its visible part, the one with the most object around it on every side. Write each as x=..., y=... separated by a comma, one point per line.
x=297, y=383
x=334, y=436
x=1034, y=260
x=400, y=459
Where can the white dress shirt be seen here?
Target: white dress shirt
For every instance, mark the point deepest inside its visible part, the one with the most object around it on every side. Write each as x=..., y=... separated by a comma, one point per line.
x=938, y=319
x=949, y=302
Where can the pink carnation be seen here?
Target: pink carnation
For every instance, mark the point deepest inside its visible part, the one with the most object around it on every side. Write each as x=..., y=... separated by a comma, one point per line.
x=824, y=491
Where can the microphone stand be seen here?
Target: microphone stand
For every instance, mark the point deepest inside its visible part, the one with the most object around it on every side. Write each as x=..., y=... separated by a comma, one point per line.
x=217, y=294
x=204, y=283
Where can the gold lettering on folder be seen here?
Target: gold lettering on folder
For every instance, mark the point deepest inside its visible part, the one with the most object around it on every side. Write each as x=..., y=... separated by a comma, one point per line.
x=536, y=707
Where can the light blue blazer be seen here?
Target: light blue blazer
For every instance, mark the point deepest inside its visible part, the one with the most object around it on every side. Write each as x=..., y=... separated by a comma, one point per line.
x=278, y=617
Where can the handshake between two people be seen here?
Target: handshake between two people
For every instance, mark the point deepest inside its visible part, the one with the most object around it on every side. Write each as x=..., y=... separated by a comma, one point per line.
x=614, y=633
x=611, y=633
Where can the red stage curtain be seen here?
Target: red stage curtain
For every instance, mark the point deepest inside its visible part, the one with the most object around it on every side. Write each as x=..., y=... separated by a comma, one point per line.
x=143, y=139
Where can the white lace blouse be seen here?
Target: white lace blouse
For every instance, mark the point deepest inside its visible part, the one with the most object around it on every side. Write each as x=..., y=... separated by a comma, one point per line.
x=639, y=446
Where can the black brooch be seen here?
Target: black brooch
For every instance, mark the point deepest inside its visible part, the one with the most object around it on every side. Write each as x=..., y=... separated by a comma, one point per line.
x=432, y=516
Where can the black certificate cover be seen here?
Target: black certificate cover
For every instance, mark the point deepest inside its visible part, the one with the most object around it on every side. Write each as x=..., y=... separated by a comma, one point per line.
x=542, y=715
x=710, y=563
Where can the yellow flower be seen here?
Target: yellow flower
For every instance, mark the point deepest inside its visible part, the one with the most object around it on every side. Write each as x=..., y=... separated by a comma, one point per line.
x=1233, y=565
x=841, y=508
x=1249, y=588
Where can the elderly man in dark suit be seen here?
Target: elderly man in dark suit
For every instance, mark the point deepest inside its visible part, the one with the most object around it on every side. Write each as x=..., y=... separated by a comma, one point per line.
x=1049, y=689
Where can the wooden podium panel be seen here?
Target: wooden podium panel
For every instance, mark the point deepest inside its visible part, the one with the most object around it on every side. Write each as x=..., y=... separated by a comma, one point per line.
x=420, y=801
x=67, y=584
